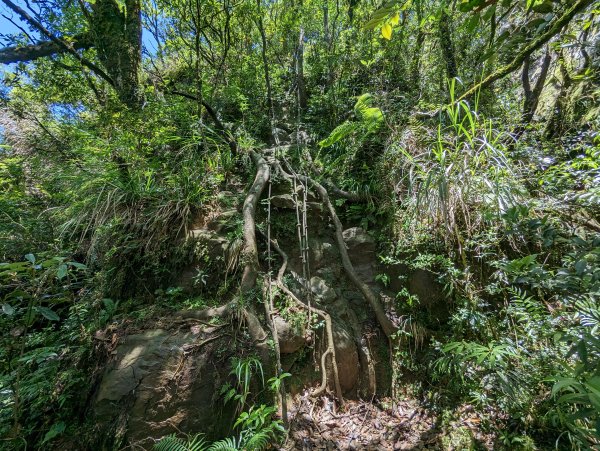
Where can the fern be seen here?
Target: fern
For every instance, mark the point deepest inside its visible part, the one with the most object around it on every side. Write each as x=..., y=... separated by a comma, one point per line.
x=588, y=313
x=339, y=133
x=369, y=120
x=526, y=308
x=174, y=443
x=227, y=444
x=259, y=441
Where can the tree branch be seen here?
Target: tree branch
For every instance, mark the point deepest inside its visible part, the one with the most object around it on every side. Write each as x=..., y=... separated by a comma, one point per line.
x=47, y=48
x=213, y=115
x=557, y=26
x=59, y=42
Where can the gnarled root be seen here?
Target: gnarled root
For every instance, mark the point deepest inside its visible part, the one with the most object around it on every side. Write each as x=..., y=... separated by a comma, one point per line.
x=330, y=351
x=250, y=252
x=385, y=323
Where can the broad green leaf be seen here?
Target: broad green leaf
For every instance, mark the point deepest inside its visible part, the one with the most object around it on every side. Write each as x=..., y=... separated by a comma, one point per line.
x=30, y=258
x=30, y=317
x=469, y=5
x=379, y=16
x=18, y=294
x=340, y=132
x=48, y=314
x=55, y=430
x=8, y=309
x=61, y=272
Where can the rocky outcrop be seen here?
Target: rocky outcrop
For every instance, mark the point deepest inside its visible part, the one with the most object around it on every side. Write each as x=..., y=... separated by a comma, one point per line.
x=291, y=337
x=159, y=382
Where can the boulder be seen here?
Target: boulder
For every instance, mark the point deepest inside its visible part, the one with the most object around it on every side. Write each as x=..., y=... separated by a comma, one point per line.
x=283, y=201
x=291, y=337
x=357, y=237
x=346, y=357
x=162, y=382
x=323, y=292
x=361, y=246
x=424, y=284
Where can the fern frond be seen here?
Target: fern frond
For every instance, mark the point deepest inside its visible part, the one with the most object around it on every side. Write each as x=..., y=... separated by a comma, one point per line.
x=258, y=441
x=589, y=314
x=526, y=307
x=170, y=443
x=227, y=444
x=174, y=443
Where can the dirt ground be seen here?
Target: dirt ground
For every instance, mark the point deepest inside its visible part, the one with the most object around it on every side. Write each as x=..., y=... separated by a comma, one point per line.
x=319, y=424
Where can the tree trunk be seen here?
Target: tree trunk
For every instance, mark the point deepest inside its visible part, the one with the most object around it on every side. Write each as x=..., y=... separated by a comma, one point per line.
x=415, y=71
x=302, y=99
x=117, y=36
x=556, y=124
x=532, y=96
x=446, y=43
x=263, y=37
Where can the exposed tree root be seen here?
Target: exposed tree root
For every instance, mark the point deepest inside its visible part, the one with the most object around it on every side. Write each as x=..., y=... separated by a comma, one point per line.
x=330, y=351
x=366, y=361
x=385, y=323
x=267, y=299
x=269, y=308
x=250, y=252
x=251, y=269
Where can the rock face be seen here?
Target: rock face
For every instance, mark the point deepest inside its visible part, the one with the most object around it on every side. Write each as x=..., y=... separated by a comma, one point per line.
x=324, y=293
x=361, y=251
x=424, y=284
x=290, y=338
x=359, y=241
x=346, y=357
x=161, y=382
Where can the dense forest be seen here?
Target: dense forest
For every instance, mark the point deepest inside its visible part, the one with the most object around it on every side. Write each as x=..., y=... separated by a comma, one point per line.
x=300, y=224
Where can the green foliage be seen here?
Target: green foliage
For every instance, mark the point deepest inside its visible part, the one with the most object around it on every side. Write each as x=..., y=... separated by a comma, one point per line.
x=369, y=119
x=173, y=443
x=46, y=344
x=96, y=199
x=257, y=426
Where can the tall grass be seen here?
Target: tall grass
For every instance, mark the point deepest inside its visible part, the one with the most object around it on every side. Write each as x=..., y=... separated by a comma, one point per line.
x=454, y=181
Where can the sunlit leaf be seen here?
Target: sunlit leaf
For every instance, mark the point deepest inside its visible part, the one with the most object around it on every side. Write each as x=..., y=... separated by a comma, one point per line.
x=386, y=31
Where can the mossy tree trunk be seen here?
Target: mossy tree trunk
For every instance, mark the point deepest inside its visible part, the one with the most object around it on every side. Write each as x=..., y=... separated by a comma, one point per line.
x=446, y=43
x=117, y=35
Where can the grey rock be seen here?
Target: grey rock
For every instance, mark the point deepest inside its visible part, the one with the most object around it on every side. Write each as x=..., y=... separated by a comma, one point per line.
x=283, y=201
x=346, y=357
x=321, y=290
x=361, y=246
x=291, y=338
x=358, y=237
x=158, y=383
x=424, y=284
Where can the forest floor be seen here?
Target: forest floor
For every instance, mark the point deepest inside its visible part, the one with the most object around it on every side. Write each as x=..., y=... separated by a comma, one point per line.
x=383, y=425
